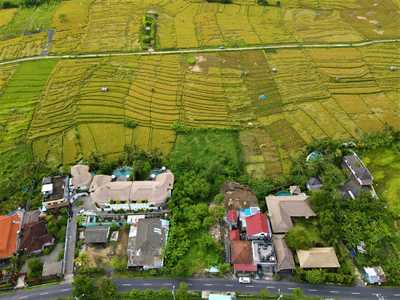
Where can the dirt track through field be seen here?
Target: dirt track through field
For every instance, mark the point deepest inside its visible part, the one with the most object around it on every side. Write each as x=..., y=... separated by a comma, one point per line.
x=209, y=50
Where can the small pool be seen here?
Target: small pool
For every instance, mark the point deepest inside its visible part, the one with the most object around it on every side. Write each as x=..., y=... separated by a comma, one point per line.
x=249, y=211
x=314, y=156
x=123, y=172
x=283, y=193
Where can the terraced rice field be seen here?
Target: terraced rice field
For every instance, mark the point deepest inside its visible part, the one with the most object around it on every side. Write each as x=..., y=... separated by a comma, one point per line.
x=22, y=46
x=6, y=15
x=18, y=98
x=83, y=26
x=310, y=94
x=114, y=25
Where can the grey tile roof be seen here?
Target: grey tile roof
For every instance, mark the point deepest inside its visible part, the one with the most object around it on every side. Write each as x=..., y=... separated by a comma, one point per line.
x=284, y=255
x=97, y=234
x=358, y=169
x=145, y=249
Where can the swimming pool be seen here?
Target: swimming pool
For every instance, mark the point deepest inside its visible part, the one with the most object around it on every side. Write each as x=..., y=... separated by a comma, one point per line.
x=123, y=172
x=283, y=193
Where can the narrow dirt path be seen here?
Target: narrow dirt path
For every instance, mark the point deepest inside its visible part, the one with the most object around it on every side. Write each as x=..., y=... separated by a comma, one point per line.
x=207, y=50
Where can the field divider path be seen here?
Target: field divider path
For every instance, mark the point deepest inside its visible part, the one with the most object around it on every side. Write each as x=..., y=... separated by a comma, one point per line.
x=207, y=50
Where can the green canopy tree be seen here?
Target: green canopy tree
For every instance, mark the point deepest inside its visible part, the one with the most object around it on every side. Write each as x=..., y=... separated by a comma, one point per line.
x=84, y=287
x=35, y=269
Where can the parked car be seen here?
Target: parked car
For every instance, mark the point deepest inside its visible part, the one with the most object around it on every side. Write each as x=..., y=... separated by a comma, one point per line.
x=79, y=195
x=244, y=280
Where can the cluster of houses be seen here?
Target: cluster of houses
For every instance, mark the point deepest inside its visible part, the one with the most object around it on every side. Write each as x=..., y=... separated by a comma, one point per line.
x=359, y=178
x=147, y=238
x=22, y=232
x=116, y=192
x=137, y=200
x=249, y=244
x=108, y=192
x=256, y=241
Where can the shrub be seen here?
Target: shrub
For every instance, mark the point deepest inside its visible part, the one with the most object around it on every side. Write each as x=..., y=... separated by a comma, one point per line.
x=62, y=18
x=119, y=263
x=130, y=124
x=315, y=276
x=300, y=237
x=8, y=4
x=191, y=60
x=35, y=268
x=179, y=127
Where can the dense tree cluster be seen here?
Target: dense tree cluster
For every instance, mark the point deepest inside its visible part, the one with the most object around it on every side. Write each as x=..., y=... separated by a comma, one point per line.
x=20, y=179
x=200, y=170
x=24, y=3
x=57, y=224
x=345, y=223
x=301, y=237
x=89, y=288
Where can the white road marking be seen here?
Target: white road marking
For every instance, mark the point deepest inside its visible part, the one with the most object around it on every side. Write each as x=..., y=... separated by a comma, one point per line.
x=43, y=294
x=208, y=284
x=355, y=293
x=65, y=290
x=396, y=295
x=23, y=297
x=147, y=284
x=271, y=287
x=291, y=288
x=312, y=290
x=334, y=292
x=228, y=284
x=166, y=284
x=250, y=286
x=126, y=284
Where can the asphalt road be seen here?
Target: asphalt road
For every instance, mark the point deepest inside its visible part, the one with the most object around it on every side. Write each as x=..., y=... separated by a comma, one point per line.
x=325, y=291
x=69, y=254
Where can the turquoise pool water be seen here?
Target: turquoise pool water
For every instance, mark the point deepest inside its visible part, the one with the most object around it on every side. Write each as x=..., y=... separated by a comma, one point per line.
x=123, y=172
x=282, y=193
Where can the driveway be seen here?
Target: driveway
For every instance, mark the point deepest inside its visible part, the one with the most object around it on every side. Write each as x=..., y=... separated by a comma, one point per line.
x=50, y=258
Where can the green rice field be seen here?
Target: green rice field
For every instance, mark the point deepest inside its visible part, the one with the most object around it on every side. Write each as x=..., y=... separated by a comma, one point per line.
x=278, y=100
x=385, y=165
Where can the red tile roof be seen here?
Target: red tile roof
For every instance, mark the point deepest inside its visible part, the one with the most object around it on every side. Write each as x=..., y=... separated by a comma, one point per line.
x=257, y=224
x=245, y=267
x=9, y=226
x=234, y=235
x=241, y=252
x=232, y=216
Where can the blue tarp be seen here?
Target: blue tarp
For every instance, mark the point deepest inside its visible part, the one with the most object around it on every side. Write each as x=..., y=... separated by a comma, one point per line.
x=263, y=97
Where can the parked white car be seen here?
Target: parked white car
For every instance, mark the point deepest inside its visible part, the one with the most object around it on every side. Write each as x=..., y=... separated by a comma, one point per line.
x=79, y=195
x=244, y=280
